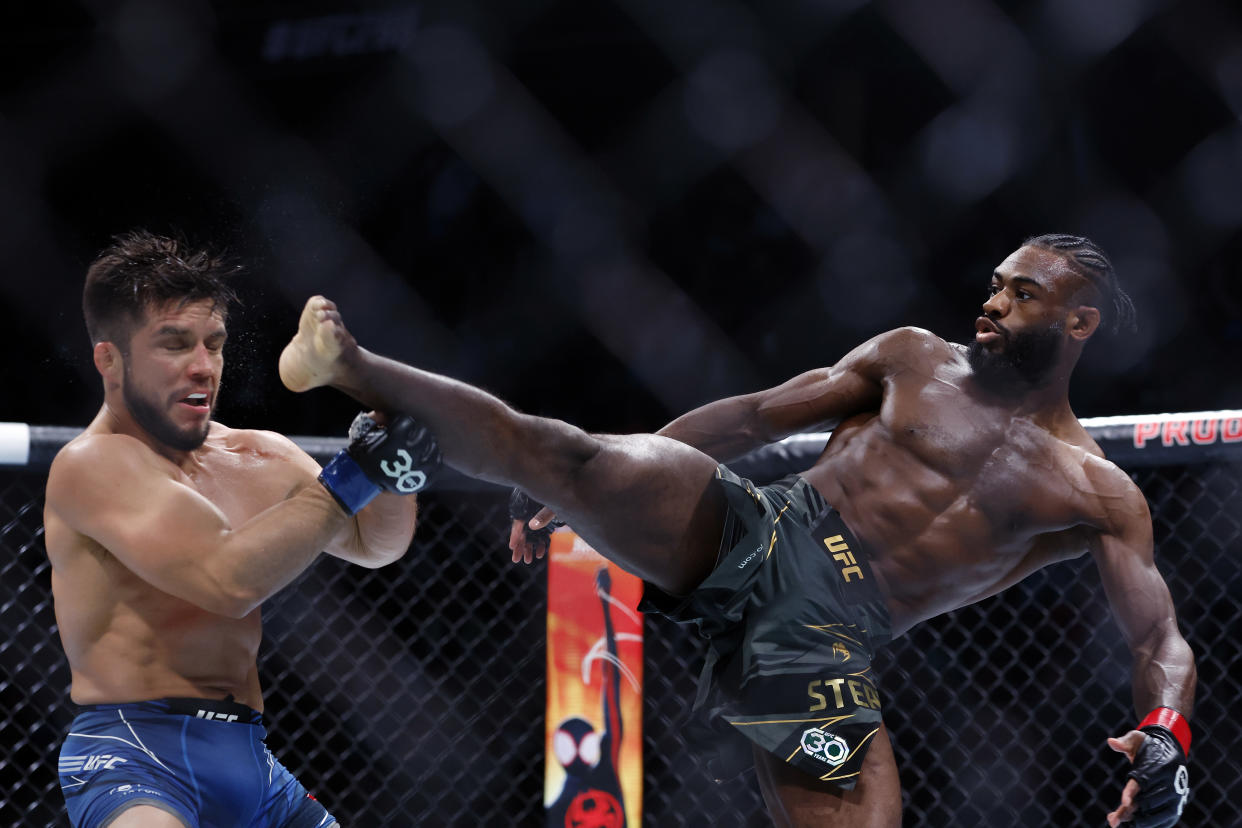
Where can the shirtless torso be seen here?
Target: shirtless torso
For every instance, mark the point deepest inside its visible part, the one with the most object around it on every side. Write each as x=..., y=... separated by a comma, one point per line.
x=128, y=639
x=161, y=556
x=957, y=495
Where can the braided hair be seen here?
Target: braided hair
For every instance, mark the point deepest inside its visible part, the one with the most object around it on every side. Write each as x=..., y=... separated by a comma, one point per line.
x=1087, y=260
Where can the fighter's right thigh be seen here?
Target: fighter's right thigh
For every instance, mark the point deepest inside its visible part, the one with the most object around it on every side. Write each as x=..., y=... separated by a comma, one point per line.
x=647, y=502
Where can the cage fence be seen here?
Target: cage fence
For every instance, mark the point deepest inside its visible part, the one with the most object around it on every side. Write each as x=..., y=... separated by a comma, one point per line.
x=414, y=694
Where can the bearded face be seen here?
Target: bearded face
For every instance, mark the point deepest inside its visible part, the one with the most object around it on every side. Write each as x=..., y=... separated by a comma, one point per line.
x=172, y=368
x=1020, y=360
x=152, y=413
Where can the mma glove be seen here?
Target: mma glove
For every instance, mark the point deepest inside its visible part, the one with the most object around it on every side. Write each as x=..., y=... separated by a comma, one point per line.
x=522, y=507
x=401, y=457
x=1160, y=769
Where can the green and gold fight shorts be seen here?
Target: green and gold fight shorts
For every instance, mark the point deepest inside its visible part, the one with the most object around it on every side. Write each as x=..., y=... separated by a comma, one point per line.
x=793, y=616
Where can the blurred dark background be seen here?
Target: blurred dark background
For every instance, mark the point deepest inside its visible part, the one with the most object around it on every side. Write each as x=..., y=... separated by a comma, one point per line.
x=611, y=211
x=614, y=210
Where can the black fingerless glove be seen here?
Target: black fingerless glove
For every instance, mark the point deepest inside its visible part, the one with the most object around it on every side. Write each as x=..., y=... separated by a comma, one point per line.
x=1160, y=770
x=522, y=507
x=401, y=457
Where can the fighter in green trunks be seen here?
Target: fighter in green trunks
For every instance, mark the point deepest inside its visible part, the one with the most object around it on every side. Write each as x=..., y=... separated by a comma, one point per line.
x=962, y=469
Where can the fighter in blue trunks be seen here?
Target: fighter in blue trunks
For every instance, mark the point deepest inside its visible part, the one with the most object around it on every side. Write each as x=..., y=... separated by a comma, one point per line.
x=960, y=470
x=166, y=531
x=201, y=760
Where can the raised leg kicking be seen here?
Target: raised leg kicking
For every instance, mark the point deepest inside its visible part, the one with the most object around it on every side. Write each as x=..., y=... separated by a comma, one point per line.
x=650, y=503
x=642, y=500
x=953, y=472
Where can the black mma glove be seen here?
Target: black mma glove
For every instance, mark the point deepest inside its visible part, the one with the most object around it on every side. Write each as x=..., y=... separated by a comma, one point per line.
x=401, y=457
x=1160, y=769
x=523, y=508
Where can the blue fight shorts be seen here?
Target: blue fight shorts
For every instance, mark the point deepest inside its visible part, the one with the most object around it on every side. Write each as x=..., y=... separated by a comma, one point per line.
x=202, y=760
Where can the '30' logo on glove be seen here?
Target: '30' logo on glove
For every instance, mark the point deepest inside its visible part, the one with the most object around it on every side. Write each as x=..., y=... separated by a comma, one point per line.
x=1181, y=786
x=409, y=479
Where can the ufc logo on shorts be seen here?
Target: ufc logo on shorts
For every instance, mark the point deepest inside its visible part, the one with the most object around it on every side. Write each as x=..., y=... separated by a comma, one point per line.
x=223, y=717
x=409, y=479
x=94, y=762
x=841, y=552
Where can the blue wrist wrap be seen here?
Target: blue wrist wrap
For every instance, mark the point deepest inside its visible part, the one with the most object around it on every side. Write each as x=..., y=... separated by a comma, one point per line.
x=347, y=482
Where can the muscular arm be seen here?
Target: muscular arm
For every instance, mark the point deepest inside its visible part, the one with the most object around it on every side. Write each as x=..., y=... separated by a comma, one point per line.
x=131, y=503
x=821, y=398
x=817, y=399
x=377, y=535
x=1164, y=666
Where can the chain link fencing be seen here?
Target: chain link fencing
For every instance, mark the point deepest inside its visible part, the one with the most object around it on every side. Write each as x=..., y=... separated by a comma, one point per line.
x=414, y=694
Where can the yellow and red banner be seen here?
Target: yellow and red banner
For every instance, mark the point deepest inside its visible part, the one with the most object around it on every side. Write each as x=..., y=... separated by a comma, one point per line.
x=594, y=765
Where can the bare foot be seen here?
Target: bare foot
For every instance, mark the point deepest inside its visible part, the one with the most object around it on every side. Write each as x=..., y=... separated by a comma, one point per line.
x=310, y=358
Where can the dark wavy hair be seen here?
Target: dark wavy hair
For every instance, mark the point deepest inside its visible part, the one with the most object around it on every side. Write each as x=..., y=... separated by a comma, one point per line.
x=140, y=270
x=1088, y=260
